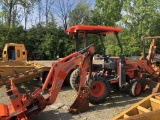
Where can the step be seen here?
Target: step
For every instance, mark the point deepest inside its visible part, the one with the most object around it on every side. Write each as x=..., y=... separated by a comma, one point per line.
x=155, y=104
x=142, y=110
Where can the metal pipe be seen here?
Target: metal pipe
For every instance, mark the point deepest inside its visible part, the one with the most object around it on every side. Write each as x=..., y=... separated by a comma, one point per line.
x=86, y=40
x=76, y=41
x=119, y=42
x=103, y=46
x=155, y=37
x=144, y=50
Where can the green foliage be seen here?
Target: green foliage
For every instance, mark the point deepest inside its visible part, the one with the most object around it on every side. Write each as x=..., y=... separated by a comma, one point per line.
x=155, y=26
x=80, y=14
x=136, y=18
x=137, y=21
x=49, y=41
x=107, y=12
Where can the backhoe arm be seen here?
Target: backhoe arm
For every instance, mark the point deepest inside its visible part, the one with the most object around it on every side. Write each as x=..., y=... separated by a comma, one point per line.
x=60, y=69
x=24, y=106
x=152, y=50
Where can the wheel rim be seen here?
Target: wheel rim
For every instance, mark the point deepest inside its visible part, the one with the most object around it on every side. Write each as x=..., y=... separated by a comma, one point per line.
x=138, y=88
x=97, y=89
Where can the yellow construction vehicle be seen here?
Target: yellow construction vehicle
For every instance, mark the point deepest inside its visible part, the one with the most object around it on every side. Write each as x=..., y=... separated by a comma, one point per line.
x=14, y=65
x=13, y=51
x=146, y=109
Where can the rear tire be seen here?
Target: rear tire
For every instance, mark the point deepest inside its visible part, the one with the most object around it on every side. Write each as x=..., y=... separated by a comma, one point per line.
x=99, y=91
x=67, y=79
x=75, y=79
x=135, y=88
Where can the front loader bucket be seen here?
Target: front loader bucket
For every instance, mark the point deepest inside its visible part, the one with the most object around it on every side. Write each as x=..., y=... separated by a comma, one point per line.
x=81, y=104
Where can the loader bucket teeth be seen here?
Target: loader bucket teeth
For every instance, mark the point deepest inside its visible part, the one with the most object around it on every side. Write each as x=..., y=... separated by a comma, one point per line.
x=81, y=104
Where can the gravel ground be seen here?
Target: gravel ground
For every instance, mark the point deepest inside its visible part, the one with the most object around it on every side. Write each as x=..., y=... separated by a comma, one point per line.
x=116, y=103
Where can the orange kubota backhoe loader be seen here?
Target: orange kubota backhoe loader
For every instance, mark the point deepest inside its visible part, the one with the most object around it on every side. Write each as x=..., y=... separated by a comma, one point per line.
x=112, y=72
x=24, y=106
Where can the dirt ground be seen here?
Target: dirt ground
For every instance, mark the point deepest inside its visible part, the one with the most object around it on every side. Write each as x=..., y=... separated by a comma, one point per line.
x=114, y=104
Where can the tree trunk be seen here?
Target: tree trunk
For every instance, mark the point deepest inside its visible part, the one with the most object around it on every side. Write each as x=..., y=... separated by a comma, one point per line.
x=46, y=12
x=10, y=14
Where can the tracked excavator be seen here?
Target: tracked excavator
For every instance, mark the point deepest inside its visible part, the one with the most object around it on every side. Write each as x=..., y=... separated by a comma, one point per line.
x=24, y=106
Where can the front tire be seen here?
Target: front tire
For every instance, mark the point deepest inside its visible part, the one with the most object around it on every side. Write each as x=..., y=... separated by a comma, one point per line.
x=135, y=88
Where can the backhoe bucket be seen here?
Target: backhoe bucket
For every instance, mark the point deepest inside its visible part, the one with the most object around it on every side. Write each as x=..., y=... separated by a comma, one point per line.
x=81, y=104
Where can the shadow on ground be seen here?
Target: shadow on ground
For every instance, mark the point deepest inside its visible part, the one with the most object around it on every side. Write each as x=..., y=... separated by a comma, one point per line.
x=120, y=99
x=115, y=100
x=52, y=115
x=33, y=84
